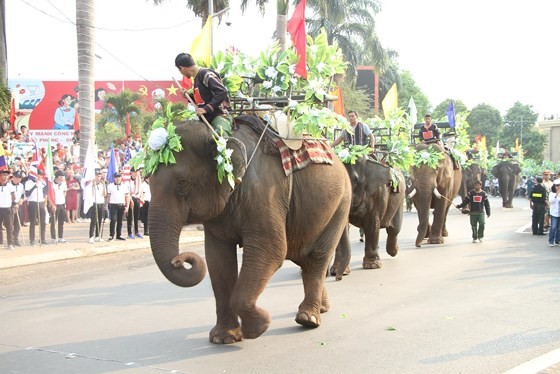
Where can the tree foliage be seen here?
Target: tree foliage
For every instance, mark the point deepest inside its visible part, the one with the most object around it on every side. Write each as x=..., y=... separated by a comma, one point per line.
x=409, y=89
x=485, y=120
x=440, y=111
x=519, y=124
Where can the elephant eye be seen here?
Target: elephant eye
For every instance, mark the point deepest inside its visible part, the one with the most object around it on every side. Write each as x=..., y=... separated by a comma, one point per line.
x=183, y=186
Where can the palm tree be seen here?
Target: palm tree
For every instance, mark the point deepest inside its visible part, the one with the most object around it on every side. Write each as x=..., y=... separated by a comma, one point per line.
x=3, y=52
x=85, y=12
x=118, y=106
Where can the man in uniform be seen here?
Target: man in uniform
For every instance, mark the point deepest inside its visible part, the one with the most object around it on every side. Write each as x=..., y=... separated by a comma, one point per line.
x=20, y=198
x=479, y=203
x=118, y=197
x=58, y=207
x=209, y=93
x=95, y=213
x=35, y=191
x=538, y=203
x=7, y=201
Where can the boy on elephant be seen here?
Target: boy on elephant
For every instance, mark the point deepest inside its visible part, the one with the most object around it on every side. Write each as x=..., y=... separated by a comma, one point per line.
x=429, y=133
x=479, y=203
x=209, y=93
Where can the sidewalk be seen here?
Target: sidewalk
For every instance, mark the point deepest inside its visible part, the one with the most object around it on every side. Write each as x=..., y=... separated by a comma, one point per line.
x=77, y=246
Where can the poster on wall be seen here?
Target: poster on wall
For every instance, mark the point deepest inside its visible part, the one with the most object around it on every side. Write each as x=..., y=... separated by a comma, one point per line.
x=49, y=108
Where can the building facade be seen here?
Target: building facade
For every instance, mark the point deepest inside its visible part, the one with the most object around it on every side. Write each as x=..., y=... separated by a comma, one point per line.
x=550, y=126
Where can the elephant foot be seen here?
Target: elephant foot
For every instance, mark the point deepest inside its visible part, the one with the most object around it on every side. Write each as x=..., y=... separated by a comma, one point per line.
x=325, y=304
x=444, y=233
x=255, y=327
x=333, y=272
x=307, y=319
x=369, y=263
x=436, y=240
x=392, y=251
x=222, y=335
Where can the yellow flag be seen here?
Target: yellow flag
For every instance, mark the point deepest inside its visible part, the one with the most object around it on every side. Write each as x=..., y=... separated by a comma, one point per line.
x=516, y=144
x=201, y=46
x=391, y=100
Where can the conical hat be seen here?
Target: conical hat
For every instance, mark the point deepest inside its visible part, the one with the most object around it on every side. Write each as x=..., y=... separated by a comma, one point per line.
x=285, y=129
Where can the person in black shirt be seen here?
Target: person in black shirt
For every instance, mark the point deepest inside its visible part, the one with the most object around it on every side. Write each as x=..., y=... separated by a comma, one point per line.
x=478, y=201
x=538, y=203
x=209, y=93
x=429, y=133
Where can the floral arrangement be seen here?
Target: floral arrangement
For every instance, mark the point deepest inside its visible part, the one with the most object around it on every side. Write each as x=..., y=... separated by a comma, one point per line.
x=314, y=121
x=234, y=68
x=350, y=154
x=223, y=160
x=429, y=156
x=399, y=154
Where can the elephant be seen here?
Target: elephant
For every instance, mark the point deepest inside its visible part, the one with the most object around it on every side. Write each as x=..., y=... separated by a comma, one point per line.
x=375, y=205
x=273, y=217
x=443, y=182
x=507, y=173
x=470, y=174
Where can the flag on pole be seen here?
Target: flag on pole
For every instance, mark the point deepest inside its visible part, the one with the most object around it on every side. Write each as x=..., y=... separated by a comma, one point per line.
x=202, y=44
x=451, y=114
x=412, y=112
x=391, y=101
x=517, y=147
x=296, y=28
x=88, y=176
x=497, y=147
x=49, y=175
x=3, y=163
x=112, y=168
x=77, y=122
x=128, y=125
x=13, y=115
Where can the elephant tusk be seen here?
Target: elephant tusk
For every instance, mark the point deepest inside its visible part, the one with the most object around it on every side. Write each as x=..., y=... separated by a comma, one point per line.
x=412, y=193
x=436, y=192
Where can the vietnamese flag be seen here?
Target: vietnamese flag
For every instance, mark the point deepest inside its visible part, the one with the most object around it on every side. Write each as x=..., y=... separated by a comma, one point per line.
x=77, y=122
x=296, y=28
x=13, y=115
x=127, y=125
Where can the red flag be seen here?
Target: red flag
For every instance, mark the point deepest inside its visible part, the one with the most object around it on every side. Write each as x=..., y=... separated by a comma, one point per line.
x=13, y=115
x=127, y=125
x=296, y=28
x=77, y=122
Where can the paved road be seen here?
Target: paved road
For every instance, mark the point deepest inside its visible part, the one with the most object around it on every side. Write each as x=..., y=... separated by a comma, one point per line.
x=458, y=307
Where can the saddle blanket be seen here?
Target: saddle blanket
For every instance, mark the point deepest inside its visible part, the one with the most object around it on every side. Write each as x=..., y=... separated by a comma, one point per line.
x=312, y=151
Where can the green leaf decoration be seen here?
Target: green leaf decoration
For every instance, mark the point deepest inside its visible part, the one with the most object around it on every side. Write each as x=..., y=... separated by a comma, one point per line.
x=429, y=157
x=350, y=154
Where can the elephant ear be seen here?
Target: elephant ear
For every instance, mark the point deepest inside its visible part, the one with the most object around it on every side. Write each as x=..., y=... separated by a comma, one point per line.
x=516, y=169
x=495, y=171
x=238, y=157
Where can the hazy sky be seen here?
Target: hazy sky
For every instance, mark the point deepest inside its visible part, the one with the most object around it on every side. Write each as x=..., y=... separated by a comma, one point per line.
x=491, y=51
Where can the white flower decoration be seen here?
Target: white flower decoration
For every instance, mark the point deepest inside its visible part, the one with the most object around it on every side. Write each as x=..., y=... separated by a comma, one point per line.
x=271, y=72
x=229, y=152
x=220, y=159
x=158, y=138
x=228, y=168
x=221, y=144
x=425, y=155
x=320, y=66
x=276, y=89
x=292, y=69
x=267, y=84
x=344, y=153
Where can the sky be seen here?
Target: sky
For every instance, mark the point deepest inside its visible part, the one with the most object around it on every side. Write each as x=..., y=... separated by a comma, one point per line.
x=477, y=51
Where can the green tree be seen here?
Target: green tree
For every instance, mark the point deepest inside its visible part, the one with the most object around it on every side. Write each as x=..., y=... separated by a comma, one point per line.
x=519, y=124
x=440, y=111
x=485, y=120
x=5, y=101
x=409, y=89
x=357, y=99
x=117, y=108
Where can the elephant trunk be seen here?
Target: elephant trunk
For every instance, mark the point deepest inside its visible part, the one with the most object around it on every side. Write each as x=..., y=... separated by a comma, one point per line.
x=165, y=230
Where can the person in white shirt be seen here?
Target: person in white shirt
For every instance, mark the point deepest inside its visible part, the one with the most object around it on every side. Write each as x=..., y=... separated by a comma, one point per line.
x=58, y=207
x=7, y=201
x=35, y=191
x=118, y=197
x=20, y=198
x=95, y=212
x=147, y=195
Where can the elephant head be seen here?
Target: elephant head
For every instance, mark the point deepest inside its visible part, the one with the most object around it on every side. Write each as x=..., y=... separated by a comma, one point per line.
x=434, y=188
x=470, y=174
x=185, y=193
x=507, y=173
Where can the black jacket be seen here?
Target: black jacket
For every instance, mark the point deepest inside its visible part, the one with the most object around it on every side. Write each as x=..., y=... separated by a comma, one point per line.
x=478, y=201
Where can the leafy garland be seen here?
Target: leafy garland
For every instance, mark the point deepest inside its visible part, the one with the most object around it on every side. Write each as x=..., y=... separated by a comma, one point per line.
x=350, y=154
x=429, y=156
x=308, y=119
x=223, y=160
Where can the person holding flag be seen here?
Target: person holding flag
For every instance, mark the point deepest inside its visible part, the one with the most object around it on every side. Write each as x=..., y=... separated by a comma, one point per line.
x=209, y=93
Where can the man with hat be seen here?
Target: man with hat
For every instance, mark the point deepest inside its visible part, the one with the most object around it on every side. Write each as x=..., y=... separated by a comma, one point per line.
x=7, y=201
x=538, y=203
x=58, y=207
x=35, y=191
x=209, y=93
x=554, y=206
x=118, y=197
x=20, y=198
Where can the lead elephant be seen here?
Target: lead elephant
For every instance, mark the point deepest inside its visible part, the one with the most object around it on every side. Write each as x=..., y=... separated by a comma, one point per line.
x=434, y=188
x=273, y=217
x=470, y=174
x=507, y=173
x=377, y=202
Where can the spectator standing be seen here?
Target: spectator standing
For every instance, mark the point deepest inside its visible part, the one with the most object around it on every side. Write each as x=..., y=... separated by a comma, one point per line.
x=538, y=204
x=547, y=183
x=7, y=201
x=147, y=196
x=554, y=208
x=478, y=201
x=72, y=188
x=98, y=192
x=58, y=208
x=35, y=191
x=118, y=197
x=134, y=205
x=20, y=198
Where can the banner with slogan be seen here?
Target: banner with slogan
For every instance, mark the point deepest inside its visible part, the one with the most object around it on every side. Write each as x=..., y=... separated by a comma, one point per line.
x=52, y=106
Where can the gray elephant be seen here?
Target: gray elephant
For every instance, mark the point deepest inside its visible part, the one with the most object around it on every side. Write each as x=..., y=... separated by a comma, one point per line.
x=377, y=202
x=301, y=217
x=507, y=172
x=434, y=188
x=470, y=174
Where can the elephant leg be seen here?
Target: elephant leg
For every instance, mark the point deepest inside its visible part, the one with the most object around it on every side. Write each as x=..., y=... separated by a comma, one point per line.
x=315, y=301
x=325, y=304
x=392, y=246
x=259, y=264
x=371, y=257
x=343, y=253
x=437, y=225
x=221, y=259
